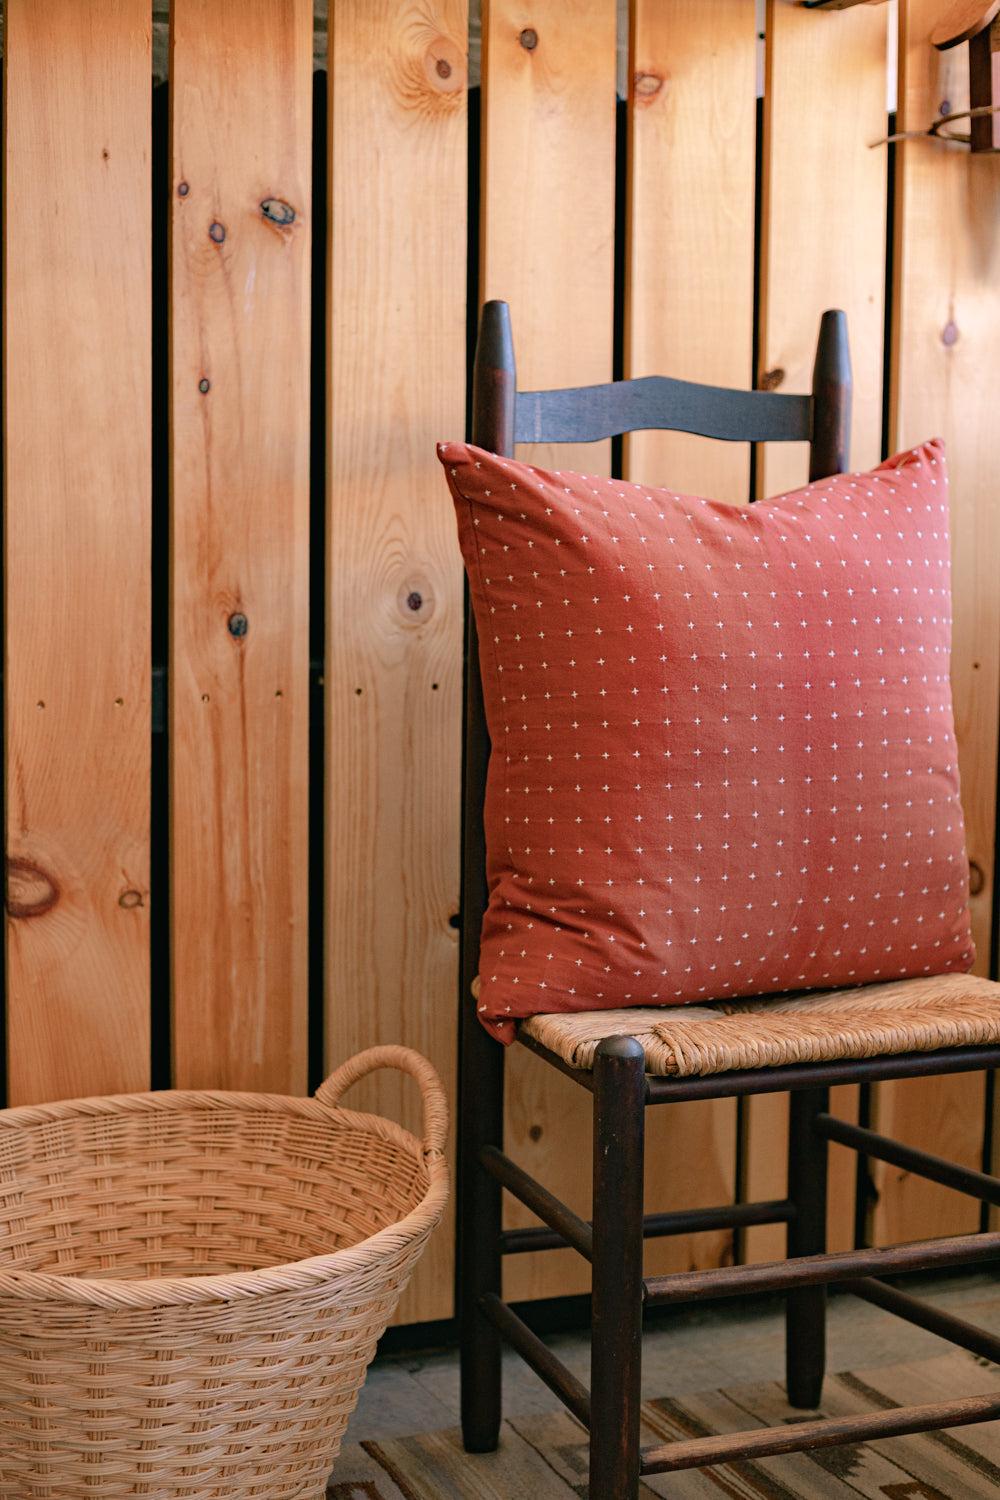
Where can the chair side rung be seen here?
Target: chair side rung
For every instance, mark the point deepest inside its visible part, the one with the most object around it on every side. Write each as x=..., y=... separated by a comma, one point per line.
x=539, y=1356
x=816, y=1270
x=571, y=1229
x=658, y=1226
x=830, y=1432
x=925, y=1315
x=922, y=1163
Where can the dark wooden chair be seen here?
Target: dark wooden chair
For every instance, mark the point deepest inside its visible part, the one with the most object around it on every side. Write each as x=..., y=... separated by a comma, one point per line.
x=622, y=1088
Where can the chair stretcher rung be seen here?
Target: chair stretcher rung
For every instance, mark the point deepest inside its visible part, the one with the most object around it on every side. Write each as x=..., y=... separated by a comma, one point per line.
x=815, y=1270
x=924, y=1163
x=570, y=1228
x=539, y=1356
x=658, y=1226
x=829, y=1432
x=924, y=1315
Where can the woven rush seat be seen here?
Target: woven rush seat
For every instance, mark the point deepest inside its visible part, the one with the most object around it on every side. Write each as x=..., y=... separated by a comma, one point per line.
x=680, y=1041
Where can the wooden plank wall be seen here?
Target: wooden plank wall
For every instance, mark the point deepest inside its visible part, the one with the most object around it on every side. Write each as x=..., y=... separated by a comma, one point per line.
x=398, y=193
x=945, y=337
x=548, y=168
x=77, y=278
x=691, y=122
x=554, y=153
x=241, y=168
x=823, y=244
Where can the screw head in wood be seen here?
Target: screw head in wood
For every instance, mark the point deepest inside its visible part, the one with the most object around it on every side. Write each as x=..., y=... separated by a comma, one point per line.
x=529, y=38
x=217, y=232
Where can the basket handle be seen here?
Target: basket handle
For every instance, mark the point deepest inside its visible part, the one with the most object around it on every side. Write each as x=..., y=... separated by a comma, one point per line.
x=408, y=1061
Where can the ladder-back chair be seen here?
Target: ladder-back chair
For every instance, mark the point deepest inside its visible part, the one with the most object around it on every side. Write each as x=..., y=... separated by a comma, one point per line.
x=630, y=1059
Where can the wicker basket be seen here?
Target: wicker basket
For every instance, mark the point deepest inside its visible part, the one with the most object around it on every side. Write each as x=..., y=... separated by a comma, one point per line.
x=192, y=1284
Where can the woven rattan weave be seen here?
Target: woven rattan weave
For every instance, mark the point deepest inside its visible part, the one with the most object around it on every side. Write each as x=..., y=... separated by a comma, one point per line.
x=192, y=1284
x=877, y=1020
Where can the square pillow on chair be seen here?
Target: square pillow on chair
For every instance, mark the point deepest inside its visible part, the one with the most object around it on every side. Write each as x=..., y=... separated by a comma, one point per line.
x=723, y=756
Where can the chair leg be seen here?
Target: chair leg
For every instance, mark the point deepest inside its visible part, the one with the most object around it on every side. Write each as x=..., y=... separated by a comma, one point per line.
x=616, y=1328
x=479, y=1258
x=805, y=1309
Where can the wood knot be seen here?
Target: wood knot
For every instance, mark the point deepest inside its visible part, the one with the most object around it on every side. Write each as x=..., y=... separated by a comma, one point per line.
x=771, y=379
x=415, y=599
x=30, y=891
x=444, y=66
x=646, y=86
x=130, y=899
x=278, y=212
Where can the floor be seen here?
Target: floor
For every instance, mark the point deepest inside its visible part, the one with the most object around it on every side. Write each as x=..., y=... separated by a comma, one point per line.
x=698, y=1350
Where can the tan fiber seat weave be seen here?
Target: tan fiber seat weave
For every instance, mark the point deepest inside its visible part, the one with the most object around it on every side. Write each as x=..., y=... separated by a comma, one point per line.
x=907, y=1015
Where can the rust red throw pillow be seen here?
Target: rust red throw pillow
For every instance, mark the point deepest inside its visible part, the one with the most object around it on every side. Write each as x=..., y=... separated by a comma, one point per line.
x=723, y=756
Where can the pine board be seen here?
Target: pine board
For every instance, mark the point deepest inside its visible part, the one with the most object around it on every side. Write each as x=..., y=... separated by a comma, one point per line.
x=548, y=195
x=824, y=213
x=945, y=336
x=689, y=314
x=396, y=386
x=241, y=135
x=690, y=255
x=77, y=478
x=547, y=248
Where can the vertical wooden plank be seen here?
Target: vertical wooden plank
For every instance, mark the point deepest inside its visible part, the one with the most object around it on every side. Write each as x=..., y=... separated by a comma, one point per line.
x=77, y=476
x=691, y=223
x=689, y=313
x=945, y=337
x=548, y=195
x=397, y=352
x=547, y=233
x=823, y=213
x=241, y=81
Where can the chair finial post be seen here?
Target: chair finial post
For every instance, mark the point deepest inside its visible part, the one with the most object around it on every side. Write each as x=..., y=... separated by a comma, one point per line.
x=831, y=441
x=494, y=382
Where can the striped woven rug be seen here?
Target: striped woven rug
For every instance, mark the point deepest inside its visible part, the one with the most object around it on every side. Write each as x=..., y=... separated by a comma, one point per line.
x=543, y=1457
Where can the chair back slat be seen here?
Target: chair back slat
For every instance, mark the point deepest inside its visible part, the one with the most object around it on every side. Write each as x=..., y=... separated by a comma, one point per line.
x=586, y=414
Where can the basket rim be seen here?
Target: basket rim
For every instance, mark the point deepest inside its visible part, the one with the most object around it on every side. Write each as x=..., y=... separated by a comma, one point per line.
x=307, y=1105
x=301, y=1275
